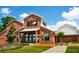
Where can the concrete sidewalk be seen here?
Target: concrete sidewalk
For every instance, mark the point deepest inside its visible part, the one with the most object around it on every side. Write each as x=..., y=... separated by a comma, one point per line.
x=56, y=49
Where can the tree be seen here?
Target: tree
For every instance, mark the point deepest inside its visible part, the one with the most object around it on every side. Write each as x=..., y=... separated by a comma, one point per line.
x=11, y=35
x=7, y=19
x=1, y=28
x=60, y=34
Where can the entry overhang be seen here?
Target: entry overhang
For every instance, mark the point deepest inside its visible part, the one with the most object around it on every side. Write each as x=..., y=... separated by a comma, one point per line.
x=24, y=30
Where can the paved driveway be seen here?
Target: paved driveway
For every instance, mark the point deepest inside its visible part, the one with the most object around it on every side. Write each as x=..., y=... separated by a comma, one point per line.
x=56, y=49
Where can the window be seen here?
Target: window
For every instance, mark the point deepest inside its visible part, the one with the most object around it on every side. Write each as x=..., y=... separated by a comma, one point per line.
x=46, y=37
x=31, y=23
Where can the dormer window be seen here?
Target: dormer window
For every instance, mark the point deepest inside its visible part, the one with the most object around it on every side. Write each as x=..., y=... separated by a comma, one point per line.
x=31, y=23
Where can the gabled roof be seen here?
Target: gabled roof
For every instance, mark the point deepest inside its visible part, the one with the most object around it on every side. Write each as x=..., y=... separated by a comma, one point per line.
x=14, y=21
x=67, y=25
x=47, y=28
x=9, y=25
x=40, y=17
x=31, y=15
x=2, y=32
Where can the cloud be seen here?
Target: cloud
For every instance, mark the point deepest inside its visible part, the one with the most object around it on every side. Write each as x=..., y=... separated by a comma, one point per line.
x=22, y=16
x=70, y=18
x=72, y=14
x=60, y=23
x=5, y=11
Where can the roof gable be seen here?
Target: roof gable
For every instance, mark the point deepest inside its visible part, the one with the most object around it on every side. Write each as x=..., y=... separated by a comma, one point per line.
x=46, y=29
x=13, y=22
x=67, y=26
x=8, y=25
x=32, y=16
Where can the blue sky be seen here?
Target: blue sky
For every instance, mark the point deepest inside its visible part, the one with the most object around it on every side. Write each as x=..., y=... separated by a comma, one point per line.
x=52, y=14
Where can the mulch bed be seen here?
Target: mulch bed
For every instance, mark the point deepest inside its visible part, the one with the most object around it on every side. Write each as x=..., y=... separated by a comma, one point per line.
x=40, y=44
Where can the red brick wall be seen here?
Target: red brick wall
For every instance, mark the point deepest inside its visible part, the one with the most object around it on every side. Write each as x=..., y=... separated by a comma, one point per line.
x=44, y=31
x=68, y=38
x=3, y=37
x=31, y=18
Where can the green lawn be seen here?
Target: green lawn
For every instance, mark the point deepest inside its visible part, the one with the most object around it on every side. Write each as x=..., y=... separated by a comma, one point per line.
x=27, y=49
x=72, y=49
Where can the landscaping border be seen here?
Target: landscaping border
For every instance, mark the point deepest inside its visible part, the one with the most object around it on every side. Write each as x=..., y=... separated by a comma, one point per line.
x=41, y=44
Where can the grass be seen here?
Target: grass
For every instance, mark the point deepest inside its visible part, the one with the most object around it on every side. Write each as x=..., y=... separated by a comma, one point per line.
x=72, y=49
x=27, y=49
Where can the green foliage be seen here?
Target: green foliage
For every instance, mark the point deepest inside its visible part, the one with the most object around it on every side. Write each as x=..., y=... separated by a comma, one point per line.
x=60, y=33
x=7, y=19
x=11, y=35
x=1, y=28
x=72, y=49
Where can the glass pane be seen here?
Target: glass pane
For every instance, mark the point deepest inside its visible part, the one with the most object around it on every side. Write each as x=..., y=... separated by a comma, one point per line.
x=26, y=39
x=34, y=39
x=34, y=34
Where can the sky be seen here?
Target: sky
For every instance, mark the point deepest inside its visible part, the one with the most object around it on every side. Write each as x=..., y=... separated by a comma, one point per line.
x=53, y=15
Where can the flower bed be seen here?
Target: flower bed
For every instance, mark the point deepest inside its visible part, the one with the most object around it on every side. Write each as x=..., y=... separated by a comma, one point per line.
x=42, y=44
x=73, y=44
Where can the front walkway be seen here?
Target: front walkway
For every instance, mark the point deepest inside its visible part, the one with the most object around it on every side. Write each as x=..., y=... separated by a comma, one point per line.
x=56, y=49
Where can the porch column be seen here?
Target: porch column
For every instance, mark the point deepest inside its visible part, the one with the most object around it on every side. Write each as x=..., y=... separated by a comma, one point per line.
x=19, y=38
x=52, y=37
x=36, y=37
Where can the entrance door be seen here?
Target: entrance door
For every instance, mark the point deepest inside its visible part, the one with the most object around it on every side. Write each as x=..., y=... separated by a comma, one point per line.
x=29, y=38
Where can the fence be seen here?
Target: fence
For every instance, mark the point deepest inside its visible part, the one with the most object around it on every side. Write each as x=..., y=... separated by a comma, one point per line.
x=67, y=38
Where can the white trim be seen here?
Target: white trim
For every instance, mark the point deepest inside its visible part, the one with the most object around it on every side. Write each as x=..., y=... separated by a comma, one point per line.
x=46, y=28
x=24, y=30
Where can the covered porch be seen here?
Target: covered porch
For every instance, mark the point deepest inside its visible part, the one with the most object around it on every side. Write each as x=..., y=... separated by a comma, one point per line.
x=35, y=36
x=29, y=35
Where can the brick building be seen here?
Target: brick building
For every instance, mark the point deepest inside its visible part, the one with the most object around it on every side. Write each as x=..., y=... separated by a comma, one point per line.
x=33, y=30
